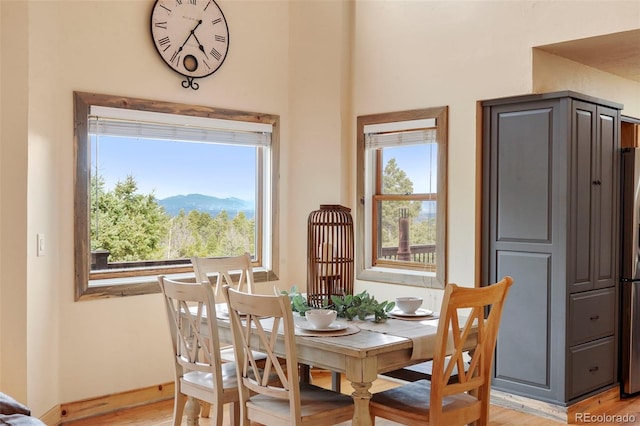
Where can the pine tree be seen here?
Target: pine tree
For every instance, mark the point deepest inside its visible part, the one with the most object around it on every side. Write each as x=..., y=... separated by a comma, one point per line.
x=395, y=181
x=132, y=226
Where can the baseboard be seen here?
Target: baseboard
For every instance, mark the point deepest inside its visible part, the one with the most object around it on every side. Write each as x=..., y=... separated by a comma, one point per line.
x=529, y=406
x=71, y=411
x=52, y=417
x=109, y=403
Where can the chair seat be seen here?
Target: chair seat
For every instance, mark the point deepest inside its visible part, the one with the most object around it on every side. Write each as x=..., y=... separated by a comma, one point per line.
x=314, y=401
x=204, y=380
x=413, y=400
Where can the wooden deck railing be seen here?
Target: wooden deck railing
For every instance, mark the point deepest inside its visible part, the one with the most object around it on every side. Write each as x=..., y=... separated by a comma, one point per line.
x=420, y=253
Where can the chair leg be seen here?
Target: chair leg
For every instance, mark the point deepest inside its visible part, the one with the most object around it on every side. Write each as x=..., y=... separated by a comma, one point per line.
x=218, y=414
x=206, y=409
x=304, y=373
x=484, y=394
x=178, y=408
x=335, y=381
x=234, y=414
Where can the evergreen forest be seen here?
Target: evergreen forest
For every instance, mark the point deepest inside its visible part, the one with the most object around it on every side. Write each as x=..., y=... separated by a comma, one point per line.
x=134, y=227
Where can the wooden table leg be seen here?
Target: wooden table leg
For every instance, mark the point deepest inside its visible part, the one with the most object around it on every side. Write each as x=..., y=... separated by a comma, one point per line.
x=361, y=372
x=361, y=397
x=192, y=409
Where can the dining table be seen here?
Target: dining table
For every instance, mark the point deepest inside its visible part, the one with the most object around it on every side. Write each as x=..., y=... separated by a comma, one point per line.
x=359, y=349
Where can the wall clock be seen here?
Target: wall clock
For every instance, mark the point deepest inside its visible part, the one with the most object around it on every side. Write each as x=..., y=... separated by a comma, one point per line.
x=191, y=36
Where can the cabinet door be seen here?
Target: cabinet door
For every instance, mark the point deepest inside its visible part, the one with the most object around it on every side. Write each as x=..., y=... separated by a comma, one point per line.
x=606, y=198
x=594, y=192
x=583, y=182
x=525, y=165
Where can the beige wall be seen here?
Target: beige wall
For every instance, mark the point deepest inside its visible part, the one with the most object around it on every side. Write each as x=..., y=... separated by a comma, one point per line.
x=318, y=64
x=552, y=73
x=14, y=346
x=319, y=96
x=53, y=349
x=414, y=54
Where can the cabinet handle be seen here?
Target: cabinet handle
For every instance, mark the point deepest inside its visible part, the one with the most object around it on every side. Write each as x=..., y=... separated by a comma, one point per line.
x=597, y=182
x=594, y=369
x=594, y=318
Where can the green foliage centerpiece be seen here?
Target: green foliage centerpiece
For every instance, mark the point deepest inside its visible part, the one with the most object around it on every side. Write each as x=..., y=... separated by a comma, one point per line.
x=349, y=306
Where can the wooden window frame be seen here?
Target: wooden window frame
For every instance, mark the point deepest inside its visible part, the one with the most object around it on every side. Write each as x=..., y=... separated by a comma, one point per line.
x=136, y=281
x=368, y=266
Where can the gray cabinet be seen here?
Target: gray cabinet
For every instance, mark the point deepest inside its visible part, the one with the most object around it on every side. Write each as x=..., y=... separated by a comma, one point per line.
x=549, y=219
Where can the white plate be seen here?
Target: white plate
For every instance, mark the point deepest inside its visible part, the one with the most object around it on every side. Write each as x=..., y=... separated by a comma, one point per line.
x=417, y=313
x=336, y=326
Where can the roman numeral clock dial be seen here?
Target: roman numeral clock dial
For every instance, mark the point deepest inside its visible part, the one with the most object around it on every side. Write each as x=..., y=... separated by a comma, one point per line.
x=191, y=36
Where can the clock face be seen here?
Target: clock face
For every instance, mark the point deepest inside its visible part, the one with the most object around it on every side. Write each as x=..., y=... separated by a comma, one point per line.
x=191, y=35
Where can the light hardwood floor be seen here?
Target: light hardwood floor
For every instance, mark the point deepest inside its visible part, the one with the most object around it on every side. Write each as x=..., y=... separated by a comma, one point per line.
x=160, y=414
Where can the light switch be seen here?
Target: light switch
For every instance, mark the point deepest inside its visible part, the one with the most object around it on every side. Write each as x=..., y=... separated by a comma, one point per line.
x=40, y=245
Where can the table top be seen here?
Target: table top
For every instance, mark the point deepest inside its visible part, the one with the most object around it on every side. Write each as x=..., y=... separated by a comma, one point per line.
x=391, y=341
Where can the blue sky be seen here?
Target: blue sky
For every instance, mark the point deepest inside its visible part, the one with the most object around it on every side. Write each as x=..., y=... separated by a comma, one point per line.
x=414, y=160
x=169, y=168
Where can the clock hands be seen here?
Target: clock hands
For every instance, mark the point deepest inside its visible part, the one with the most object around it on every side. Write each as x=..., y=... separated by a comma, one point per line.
x=200, y=44
x=192, y=33
x=190, y=62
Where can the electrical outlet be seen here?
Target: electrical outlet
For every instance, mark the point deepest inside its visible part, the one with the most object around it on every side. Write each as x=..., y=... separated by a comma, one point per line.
x=40, y=245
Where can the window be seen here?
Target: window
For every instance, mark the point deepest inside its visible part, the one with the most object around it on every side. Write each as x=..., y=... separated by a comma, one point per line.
x=157, y=183
x=402, y=160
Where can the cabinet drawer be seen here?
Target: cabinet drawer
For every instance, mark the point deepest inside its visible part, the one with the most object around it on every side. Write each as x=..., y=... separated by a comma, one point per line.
x=591, y=366
x=591, y=315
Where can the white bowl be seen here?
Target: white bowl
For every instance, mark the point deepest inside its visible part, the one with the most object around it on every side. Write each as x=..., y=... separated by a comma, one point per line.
x=321, y=318
x=408, y=304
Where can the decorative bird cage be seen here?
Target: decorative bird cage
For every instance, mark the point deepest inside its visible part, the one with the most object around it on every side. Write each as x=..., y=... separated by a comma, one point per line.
x=329, y=254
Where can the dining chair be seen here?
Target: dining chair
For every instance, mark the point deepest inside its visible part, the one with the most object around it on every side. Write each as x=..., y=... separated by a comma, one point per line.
x=440, y=402
x=235, y=271
x=199, y=370
x=266, y=321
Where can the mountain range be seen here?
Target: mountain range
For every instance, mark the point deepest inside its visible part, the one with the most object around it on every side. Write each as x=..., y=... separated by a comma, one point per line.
x=207, y=204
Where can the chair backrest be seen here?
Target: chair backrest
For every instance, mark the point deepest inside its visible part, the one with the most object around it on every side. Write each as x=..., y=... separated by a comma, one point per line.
x=225, y=269
x=464, y=310
x=259, y=318
x=195, y=339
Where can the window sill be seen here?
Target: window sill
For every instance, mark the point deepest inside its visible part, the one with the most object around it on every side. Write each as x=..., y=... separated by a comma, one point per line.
x=400, y=276
x=147, y=284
